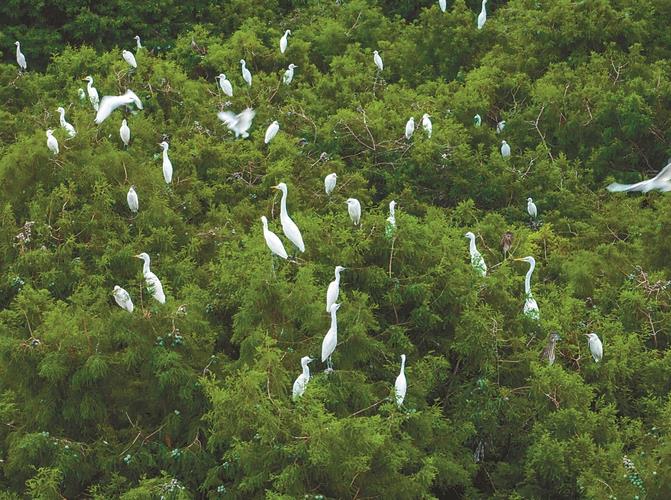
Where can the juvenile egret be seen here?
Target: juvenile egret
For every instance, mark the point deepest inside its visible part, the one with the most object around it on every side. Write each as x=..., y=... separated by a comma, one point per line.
x=137, y=42
x=302, y=380
x=595, y=346
x=477, y=261
x=662, y=182
x=271, y=131
x=246, y=74
x=132, y=199
x=153, y=284
x=443, y=5
x=81, y=94
x=482, y=18
x=129, y=58
x=427, y=125
x=531, y=208
x=390, y=228
x=124, y=132
x=505, y=149
x=111, y=102
x=52, y=143
x=330, y=182
x=93, y=93
x=167, y=164
x=289, y=74
x=20, y=58
x=378, y=60
x=122, y=298
x=284, y=40
x=500, y=126
x=330, y=339
x=477, y=120
x=239, y=123
x=225, y=85
x=530, y=305
x=549, y=351
x=333, y=289
x=506, y=242
x=67, y=126
x=354, y=210
x=273, y=241
x=289, y=227
x=410, y=128
x=401, y=385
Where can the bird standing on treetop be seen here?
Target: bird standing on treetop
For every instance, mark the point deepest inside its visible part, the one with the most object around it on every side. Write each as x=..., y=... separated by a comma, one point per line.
x=330, y=339
x=477, y=261
x=20, y=58
x=224, y=84
x=330, y=182
x=549, y=351
x=401, y=385
x=284, y=40
x=133, y=201
x=289, y=74
x=505, y=149
x=482, y=18
x=506, y=243
x=52, y=143
x=167, y=164
x=530, y=305
x=246, y=74
x=662, y=182
x=378, y=60
x=333, y=289
x=93, y=93
x=289, y=227
x=531, y=208
x=153, y=283
x=271, y=131
x=273, y=241
x=124, y=132
x=354, y=210
x=301, y=382
x=67, y=126
x=595, y=346
x=129, y=58
x=410, y=128
x=111, y=102
x=427, y=125
x=239, y=123
x=122, y=298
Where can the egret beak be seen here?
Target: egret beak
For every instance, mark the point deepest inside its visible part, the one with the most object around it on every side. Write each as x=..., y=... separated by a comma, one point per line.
x=139, y=257
x=274, y=187
x=586, y=334
x=521, y=260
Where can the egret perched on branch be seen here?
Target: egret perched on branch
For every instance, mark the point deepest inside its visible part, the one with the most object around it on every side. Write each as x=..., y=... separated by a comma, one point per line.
x=482, y=18
x=273, y=241
x=549, y=351
x=20, y=58
x=330, y=182
x=137, y=41
x=531, y=208
x=500, y=126
x=271, y=131
x=427, y=125
x=401, y=385
x=301, y=382
x=129, y=58
x=239, y=123
x=93, y=93
x=124, y=132
x=64, y=124
x=354, y=210
x=333, y=289
x=111, y=102
x=246, y=74
x=390, y=228
x=289, y=74
x=330, y=339
x=52, y=143
x=505, y=149
x=530, y=305
x=132, y=199
x=167, y=164
x=477, y=120
x=443, y=5
x=477, y=261
x=410, y=128
x=284, y=41
x=595, y=346
x=122, y=298
x=289, y=227
x=153, y=284
x=224, y=84
x=378, y=60
x=662, y=182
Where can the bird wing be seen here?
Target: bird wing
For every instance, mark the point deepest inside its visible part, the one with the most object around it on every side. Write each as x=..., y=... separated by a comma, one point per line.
x=135, y=98
x=227, y=117
x=108, y=104
x=664, y=174
x=275, y=244
x=618, y=188
x=245, y=119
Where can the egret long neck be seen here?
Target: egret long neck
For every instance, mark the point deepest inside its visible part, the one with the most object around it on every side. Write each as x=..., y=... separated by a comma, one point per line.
x=402, y=365
x=527, y=280
x=62, y=118
x=165, y=154
x=145, y=266
x=334, y=321
x=306, y=371
x=472, y=248
x=283, y=205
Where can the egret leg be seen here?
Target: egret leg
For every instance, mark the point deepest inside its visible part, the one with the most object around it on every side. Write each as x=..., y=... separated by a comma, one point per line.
x=329, y=364
x=272, y=264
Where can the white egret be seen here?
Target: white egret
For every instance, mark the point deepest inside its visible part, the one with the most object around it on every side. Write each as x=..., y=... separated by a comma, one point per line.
x=225, y=84
x=167, y=164
x=153, y=284
x=301, y=382
x=443, y=5
x=284, y=40
x=64, y=124
x=93, y=93
x=129, y=58
x=477, y=261
x=333, y=289
x=111, y=102
x=271, y=131
x=531, y=208
x=289, y=227
x=505, y=149
x=482, y=18
x=477, y=120
x=239, y=123
x=20, y=58
x=354, y=210
x=662, y=182
x=273, y=241
x=132, y=199
x=122, y=298
x=246, y=74
x=530, y=305
x=52, y=143
x=390, y=228
x=137, y=42
x=289, y=74
x=124, y=132
x=81, y=94
x=500, y=126
x=595, y=346
x=330, y=339
x=427, y=125
x=330, y=182
x=401, y=385
x=378, y=60
x=410, y=128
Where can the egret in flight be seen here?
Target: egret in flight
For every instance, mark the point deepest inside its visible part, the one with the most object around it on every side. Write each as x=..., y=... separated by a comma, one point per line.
x=284, y=41
x=530, y=305
x=137, y=42
x=330, y=339
x=289, y=227
x=20, y=58
x=153, y=284
x=531, y=208
x=401, y=385
x=330, y=182
x=410, y=128
x=354, y=210
x=246, y=74
x=124, y=132
x=111, y=102
x=132, y=199
x=505, y=149
x=549, y=351
x=595, y=346
x=122, y=298
x=289, y=74
x=378, y=60
x=271, y=131
x=224, y=84
x=52, y=143
x=333, y=289
x=477, y=261
x=661, y=182
x=482, y=18
x=240, y=123
x=427, y=125
x=93, y=93
x=64, y=124
x=273, y=241
x=477, y=120
x=167, y=164
x=129, y=58
x=443, y=5
x=301, y=383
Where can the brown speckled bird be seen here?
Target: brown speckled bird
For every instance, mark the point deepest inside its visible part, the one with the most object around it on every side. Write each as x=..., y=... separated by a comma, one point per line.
x=506, y=243
x=549, y=351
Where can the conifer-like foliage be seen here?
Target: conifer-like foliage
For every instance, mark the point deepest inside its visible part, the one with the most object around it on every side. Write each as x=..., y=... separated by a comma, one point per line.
x=193, y=398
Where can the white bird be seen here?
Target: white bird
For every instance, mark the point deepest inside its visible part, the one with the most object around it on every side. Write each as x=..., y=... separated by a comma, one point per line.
x=225, y=84
x=354, y=210
x=272, y=240
x=595, y=346
x=20, y=58
x=271, y=131
x=505, y=149
x=111, y=102
x=443, y=5
x=67, y=126
x=530, y=305
x=330, y=182
x=289, y=74
x=153, y=283
x=81, y=94
x=500, y=126
x=246, y=74
x=289, y=227
x=52, y=143
x=129, y=58
x=239, y=123
x=122, y=298
x=167, y=164
x=482, y=18
x=531, y=208
x=477, y=261
x=333, y=289
x=132, y=199
x=391, y=220
x=330, y=339
x=401, y=385
x=477, y=120
x=427, y=125
x=378, y=60
x=137, y=42
x=124, y=132
x=410, y=128
x=283, y=41
x=301, y=382
x=93, y=93
x=662, y=182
